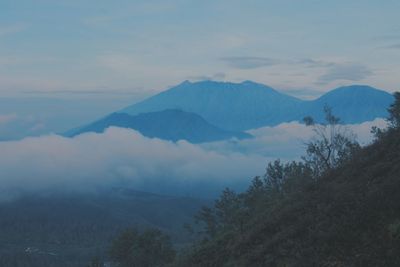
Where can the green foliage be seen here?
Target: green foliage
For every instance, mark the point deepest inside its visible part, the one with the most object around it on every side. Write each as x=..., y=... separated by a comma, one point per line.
x=151, y=248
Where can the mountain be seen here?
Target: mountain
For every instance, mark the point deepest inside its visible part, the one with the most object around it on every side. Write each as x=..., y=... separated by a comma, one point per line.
x=353, y=104
x=233, y=106
x=209, y=110
x=170, y=124
x=249, y=105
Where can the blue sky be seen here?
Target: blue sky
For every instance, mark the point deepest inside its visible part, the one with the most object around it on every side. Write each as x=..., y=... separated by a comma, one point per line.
x=140, y=47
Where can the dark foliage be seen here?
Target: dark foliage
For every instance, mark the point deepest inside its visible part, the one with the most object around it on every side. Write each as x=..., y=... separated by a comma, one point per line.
x=345, y=215
x=394, y=111
x=151, y=248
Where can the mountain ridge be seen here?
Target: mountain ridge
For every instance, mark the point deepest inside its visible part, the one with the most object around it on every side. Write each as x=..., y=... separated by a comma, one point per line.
x=169, y=124
x=237, y=107
x=249, y=105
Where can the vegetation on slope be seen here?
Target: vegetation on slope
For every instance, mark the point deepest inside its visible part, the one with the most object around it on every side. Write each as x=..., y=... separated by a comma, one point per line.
x=340, y=206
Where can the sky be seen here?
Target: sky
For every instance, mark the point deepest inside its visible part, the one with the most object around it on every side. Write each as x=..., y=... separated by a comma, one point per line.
x=65, y=63
x=133, y=48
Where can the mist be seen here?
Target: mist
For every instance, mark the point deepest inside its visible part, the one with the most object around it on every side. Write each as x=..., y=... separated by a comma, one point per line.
x=119, y=157
x=124, y=158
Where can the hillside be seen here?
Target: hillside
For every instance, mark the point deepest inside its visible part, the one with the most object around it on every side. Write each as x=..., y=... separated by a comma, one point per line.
x=350, y=216
x=172, y=125
x=68, y=230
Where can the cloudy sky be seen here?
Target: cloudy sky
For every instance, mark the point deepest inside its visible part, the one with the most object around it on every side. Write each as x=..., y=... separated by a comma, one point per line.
x=135, y=48
x=64, y=63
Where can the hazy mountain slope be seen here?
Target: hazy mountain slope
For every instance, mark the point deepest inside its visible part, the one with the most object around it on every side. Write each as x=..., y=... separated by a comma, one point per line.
x=353, y=104
x=68, y=230
x=169, y=124
x=248, y=105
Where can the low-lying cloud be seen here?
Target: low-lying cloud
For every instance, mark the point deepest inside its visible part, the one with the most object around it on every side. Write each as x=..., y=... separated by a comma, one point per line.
x=287, y=140
x=123, y=157
x=13, y=126
x=119, y=157
x=249, y=62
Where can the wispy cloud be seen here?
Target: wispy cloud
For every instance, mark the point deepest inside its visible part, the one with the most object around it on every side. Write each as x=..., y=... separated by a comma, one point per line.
x=345, y=71
x=95, y=91
x=11, y=29
x=387, y=37
x=388, y=41
x=250, y=62
x=6, y=118
x=217, y=76
x=315, y=63
x=393, y=46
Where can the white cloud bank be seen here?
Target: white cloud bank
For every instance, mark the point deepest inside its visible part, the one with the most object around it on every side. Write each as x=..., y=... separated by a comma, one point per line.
x=119, y=157
x=122, y=157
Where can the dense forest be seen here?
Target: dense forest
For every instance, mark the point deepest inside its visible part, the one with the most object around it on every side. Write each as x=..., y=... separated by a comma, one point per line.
x=339, y=206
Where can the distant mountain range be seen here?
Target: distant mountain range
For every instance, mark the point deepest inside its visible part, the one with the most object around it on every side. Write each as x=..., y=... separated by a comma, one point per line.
x=249, y=105
x=209, y=110
x=170, y=124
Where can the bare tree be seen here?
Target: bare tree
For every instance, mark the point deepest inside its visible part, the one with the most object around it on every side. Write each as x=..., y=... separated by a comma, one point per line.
x=332, y=145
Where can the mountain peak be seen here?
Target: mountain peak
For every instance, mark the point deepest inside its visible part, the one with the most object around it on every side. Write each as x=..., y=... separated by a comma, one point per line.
x=248, y=82
x=357, y=87
x=185, y=82
x=221, y=83
x=232, y=106
x=361, y=91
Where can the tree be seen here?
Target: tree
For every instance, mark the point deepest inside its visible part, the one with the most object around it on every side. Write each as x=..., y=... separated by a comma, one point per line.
x=227, y=207
x=332, y=145
x=274, y=176
x=228, y=213
x=151, y=248
x=283, y=177
x=394, y=111
x=206, y=216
